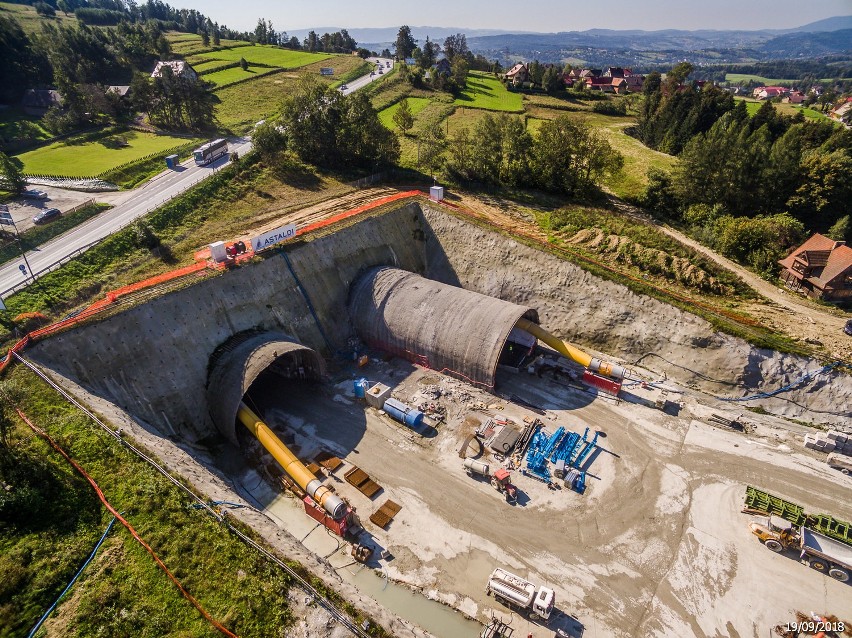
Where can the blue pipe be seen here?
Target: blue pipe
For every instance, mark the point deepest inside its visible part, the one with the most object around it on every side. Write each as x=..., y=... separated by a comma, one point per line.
x=73, y=580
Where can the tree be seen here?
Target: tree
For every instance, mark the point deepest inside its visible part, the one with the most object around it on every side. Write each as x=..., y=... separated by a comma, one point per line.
x=205, y=38
x=570, y=158
x=326, y=128
x=268, y=139
x=44, y=9
x=216, y=39
x=841, y=230
x=429, y=54
x=460, y=68
x=63, y=7
x=431, y=147
x=11, y=178
x=403, y=117
x=243, y=64
x=405, y=43
x=551, y=81
x=455, y=45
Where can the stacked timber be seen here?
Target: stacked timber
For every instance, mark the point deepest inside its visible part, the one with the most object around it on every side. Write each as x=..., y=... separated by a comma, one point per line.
x=834, y=441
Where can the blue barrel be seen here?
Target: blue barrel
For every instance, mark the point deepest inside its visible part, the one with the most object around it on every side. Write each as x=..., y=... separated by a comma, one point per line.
x=403, y=413
x=360, y=388
x=413, y=417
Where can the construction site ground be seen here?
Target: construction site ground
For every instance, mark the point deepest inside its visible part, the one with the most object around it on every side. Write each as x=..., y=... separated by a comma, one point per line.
x=656, y=546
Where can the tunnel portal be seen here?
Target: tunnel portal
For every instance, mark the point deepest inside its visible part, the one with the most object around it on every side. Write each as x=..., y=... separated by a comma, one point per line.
x=238, y=362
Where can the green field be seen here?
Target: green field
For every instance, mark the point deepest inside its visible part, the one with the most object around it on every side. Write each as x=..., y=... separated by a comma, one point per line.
x=745, y=77
x=752, y=106
x=236, y=74
x=30, y=21
x=212, y=65
x=484, y=91
x=17, y=127
x=244, y=104
x=191, y=43
x=416, y=104
x=269, y=56
x=73, y=158
x=734, y=78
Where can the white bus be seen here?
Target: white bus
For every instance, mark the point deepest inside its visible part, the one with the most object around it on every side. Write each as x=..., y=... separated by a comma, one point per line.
x=210, y=152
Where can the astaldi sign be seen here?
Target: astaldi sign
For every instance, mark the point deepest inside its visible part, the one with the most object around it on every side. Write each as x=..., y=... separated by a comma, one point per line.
x=273, y=237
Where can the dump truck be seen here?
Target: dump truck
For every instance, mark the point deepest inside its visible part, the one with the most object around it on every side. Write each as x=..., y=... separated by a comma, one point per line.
x=520, y=594
x=816, y=550
x=840, y=462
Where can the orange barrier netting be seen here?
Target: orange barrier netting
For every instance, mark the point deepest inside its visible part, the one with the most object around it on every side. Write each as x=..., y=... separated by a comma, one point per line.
x=203, y=253
x=221, y=628
x=360, y=209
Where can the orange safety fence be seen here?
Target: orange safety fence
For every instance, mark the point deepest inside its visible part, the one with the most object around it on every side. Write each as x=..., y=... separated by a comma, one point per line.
x=220, y=627
x=360, y=209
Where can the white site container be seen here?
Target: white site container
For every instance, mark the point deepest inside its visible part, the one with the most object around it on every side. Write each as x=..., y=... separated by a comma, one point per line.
x=436, y=193
x=217, y=251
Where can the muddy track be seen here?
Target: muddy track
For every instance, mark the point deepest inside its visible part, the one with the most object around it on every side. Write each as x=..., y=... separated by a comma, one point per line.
x=783, y=311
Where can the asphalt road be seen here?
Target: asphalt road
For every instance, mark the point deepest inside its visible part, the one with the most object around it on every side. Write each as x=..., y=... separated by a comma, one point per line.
x=385, y=64
x=154, y=193
x=131, y=205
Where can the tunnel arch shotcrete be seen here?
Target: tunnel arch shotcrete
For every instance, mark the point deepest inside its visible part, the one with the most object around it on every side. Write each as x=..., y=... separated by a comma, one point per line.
x=241, y=360
x=446, y=328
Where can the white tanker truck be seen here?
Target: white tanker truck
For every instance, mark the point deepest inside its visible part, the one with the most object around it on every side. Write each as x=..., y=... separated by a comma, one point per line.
x=518, y=593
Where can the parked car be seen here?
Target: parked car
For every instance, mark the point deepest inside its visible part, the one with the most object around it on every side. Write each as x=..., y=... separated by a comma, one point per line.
x=46, y=215
x=33, y=193
x=848, y=327
x=343, y=87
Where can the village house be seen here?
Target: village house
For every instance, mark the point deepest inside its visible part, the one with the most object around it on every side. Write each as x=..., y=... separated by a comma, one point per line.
x=769, y=92
x=518, y=74
x=841, y=109
x=820, y=268
x=179, y=68
x=443, y=67
x=795, y=97
x=38, y=101
x=600, y=83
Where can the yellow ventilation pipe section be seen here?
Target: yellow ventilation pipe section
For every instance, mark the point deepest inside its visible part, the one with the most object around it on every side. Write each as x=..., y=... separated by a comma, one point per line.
x=563, y=347
x=329, y=501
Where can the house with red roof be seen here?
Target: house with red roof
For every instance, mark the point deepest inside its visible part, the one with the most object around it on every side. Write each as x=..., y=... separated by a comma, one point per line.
x=820, y=268
x=769, y=92
x=518, y=74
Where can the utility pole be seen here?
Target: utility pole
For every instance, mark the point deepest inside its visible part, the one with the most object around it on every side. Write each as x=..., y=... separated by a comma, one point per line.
x=6, y=218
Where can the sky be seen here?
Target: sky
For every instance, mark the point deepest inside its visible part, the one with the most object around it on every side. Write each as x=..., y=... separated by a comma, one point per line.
x=540, y=15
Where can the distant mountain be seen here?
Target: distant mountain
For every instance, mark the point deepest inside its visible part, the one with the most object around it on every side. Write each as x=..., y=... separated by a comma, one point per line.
x=829, y=24
x=633, y=48
x=388, y=34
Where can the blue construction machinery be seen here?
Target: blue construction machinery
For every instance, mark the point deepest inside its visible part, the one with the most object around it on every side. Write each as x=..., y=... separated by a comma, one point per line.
x=565, y=448
x=536, y=459
x=577, y=448
x=553, y=441
x=586, y=450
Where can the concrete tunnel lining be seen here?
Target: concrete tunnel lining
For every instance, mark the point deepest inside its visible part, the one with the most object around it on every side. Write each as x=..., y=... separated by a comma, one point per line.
x=443, y=327
x=241, y=362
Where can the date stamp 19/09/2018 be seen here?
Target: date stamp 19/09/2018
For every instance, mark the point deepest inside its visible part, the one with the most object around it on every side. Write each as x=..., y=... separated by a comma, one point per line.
x=815, y=626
